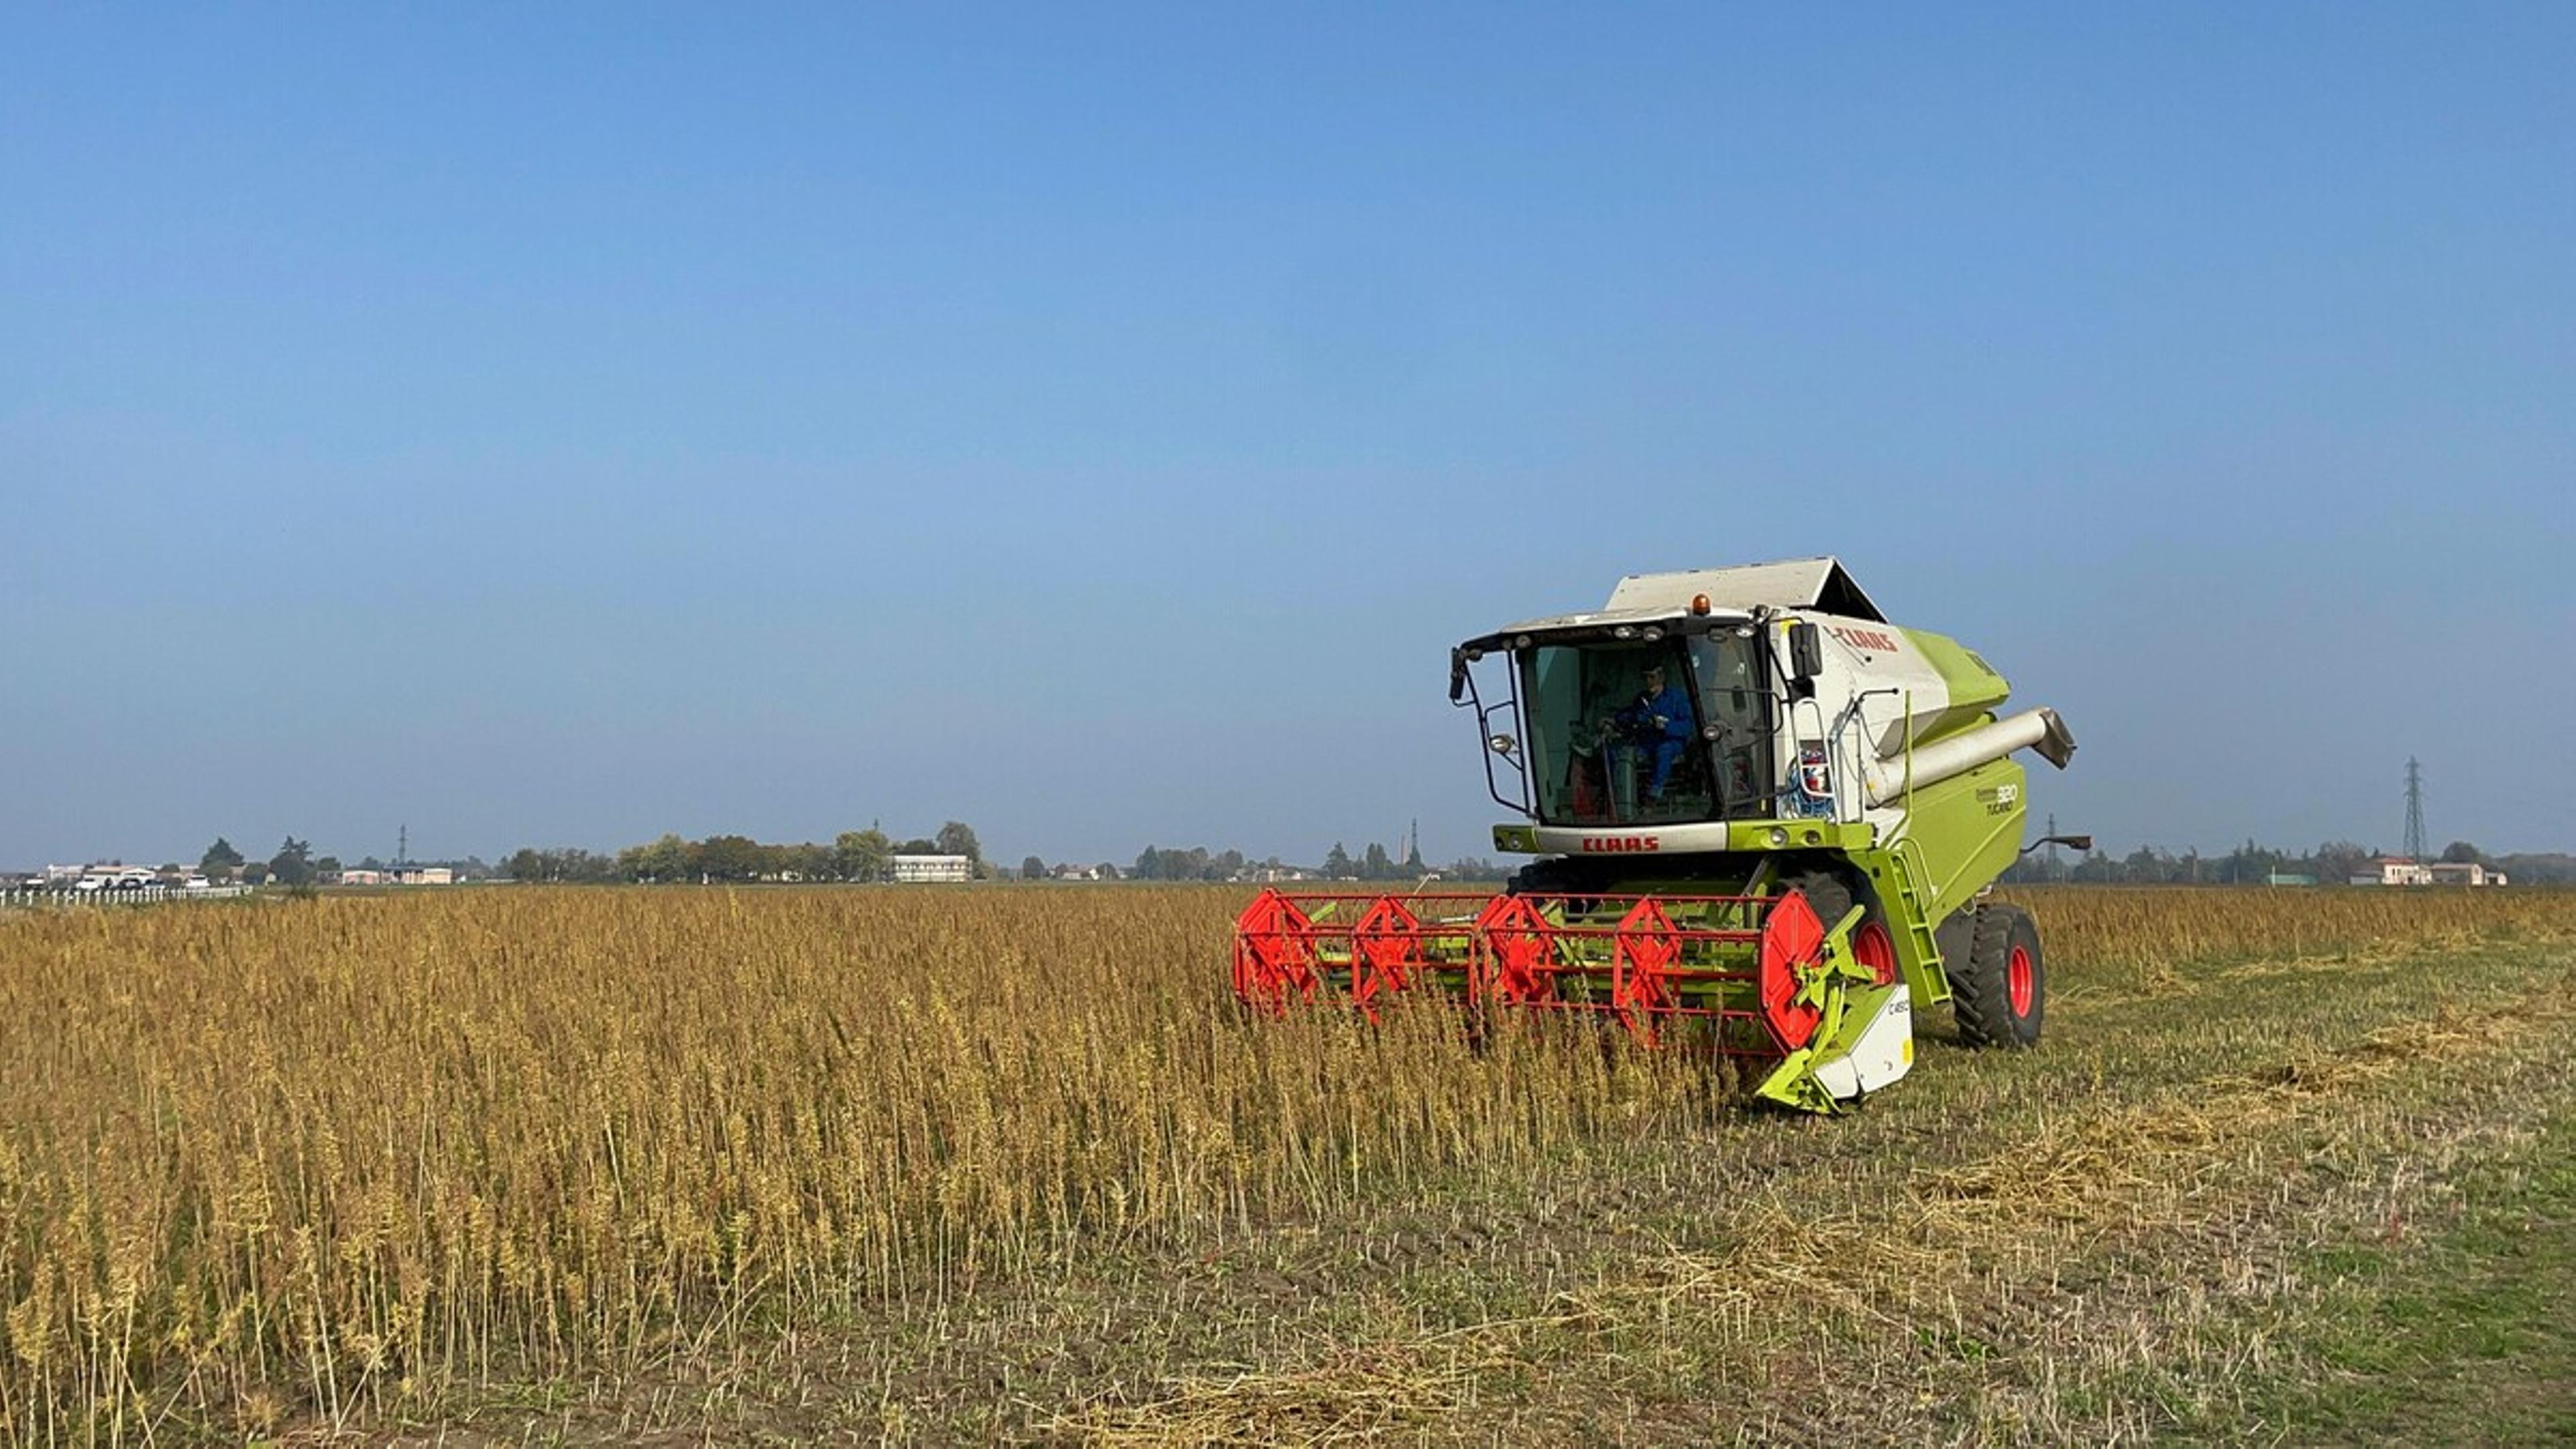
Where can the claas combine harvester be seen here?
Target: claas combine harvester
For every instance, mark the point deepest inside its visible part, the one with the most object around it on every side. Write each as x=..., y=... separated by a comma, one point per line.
x=1767, y=822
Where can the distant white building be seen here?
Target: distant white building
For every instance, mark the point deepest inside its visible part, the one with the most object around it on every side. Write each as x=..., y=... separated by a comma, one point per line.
x=2393, y=870
x=116, y=876
x=421, y=875
x=918, y=869
x=2467, y=873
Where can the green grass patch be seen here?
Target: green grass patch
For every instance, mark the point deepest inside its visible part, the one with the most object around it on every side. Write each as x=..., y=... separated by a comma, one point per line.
x=2466, y=1334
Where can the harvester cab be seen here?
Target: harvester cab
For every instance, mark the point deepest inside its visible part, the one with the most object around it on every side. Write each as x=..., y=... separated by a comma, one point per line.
x=1765, y=821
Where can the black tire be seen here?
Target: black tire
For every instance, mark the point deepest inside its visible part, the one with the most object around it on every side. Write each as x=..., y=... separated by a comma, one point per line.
x=1580, y=882
x=2000, y=993
x=1551, y=876
x=1832, y=896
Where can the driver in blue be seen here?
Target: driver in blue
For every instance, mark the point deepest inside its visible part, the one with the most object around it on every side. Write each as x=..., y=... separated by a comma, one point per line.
x=1658, y=723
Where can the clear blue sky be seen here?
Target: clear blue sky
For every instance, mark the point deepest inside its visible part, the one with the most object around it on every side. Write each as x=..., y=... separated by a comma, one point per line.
x=1095, y=424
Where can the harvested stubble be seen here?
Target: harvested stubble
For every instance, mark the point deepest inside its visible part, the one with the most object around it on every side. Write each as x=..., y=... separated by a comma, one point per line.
x=333, y=1156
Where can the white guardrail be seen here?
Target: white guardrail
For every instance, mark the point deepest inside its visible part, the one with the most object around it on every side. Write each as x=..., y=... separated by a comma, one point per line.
x=134, y=896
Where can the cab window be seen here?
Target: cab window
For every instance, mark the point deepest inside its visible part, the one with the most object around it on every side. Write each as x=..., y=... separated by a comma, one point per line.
x=1615, y=733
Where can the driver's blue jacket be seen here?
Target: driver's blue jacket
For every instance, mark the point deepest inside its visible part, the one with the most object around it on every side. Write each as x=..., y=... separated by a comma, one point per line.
x=1665, y=741
x=1638, y=720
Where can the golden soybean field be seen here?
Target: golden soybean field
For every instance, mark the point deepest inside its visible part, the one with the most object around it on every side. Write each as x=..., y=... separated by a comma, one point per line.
x=325, y=1162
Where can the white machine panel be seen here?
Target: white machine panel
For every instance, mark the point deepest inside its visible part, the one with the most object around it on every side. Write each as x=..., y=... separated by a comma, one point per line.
x=1884, y=1053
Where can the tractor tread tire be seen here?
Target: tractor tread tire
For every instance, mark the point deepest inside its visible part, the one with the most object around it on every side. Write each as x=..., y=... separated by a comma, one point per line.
x=1830, y=894
x=1981, y=989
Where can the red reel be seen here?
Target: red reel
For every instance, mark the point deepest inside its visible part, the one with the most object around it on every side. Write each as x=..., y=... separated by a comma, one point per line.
x=1643, y=956
x=1386, y=952
x=1792, y=937
x=1274, y=953
x=1519, y=950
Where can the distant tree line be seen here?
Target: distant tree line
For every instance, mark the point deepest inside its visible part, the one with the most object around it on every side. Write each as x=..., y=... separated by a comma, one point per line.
x=293, y=865
x=867, y=855
x=296, y=866
x=853, y=855
x=1193, y=863
x=2333, y=863
x=1374, y=864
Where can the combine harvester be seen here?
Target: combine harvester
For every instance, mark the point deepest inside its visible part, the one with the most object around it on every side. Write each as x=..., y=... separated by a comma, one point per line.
x=1768, y=821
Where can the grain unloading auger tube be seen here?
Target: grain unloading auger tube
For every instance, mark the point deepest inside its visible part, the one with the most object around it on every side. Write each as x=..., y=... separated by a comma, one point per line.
x=1760, y=977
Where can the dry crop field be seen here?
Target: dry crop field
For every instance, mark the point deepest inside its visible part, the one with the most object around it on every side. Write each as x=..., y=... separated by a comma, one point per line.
x=601, y=1165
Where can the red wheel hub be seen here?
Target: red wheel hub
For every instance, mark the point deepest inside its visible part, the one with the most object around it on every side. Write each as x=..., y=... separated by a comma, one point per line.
x=2018, y=981
x=1874, y=948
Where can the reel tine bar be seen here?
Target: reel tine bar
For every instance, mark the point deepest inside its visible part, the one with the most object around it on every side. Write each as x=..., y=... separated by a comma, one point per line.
x=1730, y=963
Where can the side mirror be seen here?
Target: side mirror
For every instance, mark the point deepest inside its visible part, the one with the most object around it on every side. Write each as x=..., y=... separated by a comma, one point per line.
x=1457, y=677
x=1806, y=651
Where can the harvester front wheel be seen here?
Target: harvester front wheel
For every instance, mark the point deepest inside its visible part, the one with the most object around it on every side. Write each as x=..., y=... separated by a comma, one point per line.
x=2002, y=994
x=1832, y=898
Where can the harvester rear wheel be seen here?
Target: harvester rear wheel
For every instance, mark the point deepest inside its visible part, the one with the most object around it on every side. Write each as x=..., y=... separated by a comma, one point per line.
x=1832, y=897
x=2001, y=992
